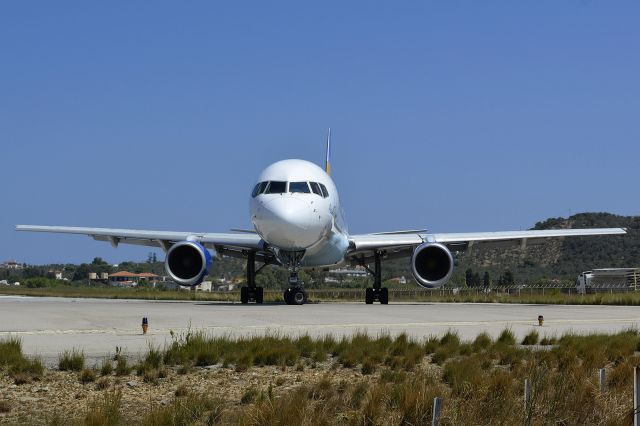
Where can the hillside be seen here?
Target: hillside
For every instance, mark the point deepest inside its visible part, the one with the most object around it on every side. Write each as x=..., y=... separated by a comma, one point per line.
x=563, y=259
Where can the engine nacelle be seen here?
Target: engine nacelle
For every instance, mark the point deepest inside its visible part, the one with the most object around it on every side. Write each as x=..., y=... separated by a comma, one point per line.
x=432, y=265
x=187, y=263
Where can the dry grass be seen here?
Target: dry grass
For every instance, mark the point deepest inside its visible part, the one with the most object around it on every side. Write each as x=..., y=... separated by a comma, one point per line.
x=87, y=376
x=388, y=380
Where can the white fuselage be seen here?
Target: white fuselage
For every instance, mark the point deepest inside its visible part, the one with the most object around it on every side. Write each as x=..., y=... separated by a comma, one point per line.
x=295, y=207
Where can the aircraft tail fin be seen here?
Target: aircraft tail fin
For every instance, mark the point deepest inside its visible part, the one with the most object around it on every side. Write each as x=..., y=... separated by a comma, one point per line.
x=327, y=165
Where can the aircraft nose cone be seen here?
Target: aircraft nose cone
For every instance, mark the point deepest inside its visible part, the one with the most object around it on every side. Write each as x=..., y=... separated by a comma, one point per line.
x=290, y=223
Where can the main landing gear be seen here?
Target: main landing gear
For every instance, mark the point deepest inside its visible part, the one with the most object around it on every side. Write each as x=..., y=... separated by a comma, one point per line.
x=377, y=293
x=251, y=293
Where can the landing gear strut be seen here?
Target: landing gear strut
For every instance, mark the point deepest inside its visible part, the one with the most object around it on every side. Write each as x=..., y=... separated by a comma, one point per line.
x=377, y=293
x=251, y=293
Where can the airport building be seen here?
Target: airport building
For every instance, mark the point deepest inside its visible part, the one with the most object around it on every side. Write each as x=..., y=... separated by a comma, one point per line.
x=11, y=264
x=608, y=279
x=131, y=279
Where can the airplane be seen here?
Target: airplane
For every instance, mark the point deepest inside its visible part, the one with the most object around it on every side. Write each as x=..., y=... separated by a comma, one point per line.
x=298, y=223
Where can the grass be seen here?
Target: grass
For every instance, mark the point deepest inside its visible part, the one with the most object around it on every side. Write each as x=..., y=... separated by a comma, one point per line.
x=531, y=339
x=190, y=409
x=87, y=375
x=106, y=368
x=105, y=410
x=72, y=360
x=385, y=379
x=20, y=368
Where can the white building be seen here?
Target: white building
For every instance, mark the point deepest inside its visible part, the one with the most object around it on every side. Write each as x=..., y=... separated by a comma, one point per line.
x=11, y=264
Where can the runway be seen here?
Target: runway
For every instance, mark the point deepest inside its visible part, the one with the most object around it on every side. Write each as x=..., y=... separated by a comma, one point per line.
x=48, y=326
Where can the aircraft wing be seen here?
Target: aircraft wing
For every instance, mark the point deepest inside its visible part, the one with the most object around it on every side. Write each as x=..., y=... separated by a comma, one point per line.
x=228, y=244
x=459, y=241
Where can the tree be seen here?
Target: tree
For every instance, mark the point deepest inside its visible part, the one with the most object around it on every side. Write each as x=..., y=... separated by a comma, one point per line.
x=468, y=277
x=486, y=279
x=506, y=278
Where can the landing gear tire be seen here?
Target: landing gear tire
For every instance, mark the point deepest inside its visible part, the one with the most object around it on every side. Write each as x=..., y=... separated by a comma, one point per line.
x=295, y=296
x=376, y=295
x=248, y=294
x=384, y=296
x=368, y=296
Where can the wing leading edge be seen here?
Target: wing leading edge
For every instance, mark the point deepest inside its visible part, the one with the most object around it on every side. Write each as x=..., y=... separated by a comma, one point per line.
x=463, y=240
x=162, y=239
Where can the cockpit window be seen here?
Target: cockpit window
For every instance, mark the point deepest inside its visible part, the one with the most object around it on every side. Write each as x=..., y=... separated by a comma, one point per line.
x=299, y=187
x=277, y=187
x=259, y=189
x=315, y=188
x=325, y=193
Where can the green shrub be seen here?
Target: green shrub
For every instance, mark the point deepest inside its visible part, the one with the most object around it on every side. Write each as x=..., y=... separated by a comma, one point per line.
x=368, y=366
x=106, y=368
x=10, y=351
x=531, y=338
x=482, y=341
x=507, y=337
x=26, y=369
x=71, y=360
x=122, y=367
x=450, y=338
x=548, y=341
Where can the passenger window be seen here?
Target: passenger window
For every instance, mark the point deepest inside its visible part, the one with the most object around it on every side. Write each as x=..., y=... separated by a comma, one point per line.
x=256, y=190
x=325, y=193
x=315, y=188
x=299, y=187
x=277, y=187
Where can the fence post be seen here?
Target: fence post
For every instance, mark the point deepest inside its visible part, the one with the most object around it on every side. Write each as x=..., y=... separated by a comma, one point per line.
x=527, y=394
x=602, y=379
x=437, y=402
x=636, y=396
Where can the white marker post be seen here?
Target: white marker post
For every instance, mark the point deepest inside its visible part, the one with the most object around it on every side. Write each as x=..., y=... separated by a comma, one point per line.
x=636, y=396
x=437, y=402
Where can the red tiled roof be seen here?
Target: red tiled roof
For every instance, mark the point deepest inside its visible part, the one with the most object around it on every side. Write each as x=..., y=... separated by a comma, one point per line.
x=122, y=274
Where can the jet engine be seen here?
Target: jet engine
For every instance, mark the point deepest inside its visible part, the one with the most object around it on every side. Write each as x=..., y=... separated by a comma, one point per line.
x=187, y=263
x=432, y=265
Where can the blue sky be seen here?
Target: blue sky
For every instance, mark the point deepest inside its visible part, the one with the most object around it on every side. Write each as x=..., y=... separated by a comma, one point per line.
x=454, y=116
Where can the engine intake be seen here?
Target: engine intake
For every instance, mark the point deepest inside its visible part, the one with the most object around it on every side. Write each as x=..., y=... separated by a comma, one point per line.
x=187, y=263
x=432, y=265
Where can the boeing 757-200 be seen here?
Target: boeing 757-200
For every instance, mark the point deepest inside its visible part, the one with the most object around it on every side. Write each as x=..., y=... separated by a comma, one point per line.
x=298, y=223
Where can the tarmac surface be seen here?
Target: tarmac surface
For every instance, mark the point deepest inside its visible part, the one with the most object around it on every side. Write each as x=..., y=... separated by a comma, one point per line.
x=50, y=325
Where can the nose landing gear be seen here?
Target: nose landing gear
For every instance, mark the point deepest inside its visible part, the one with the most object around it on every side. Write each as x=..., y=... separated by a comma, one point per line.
x=295, y=294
